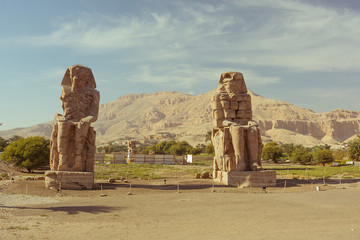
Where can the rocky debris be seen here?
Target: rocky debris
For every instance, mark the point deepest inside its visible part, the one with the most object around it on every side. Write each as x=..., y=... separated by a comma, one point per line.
x=205, y=174
x=111, y=180
x=19, y=199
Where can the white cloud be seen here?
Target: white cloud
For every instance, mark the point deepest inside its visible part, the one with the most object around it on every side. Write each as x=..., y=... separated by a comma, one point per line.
x=52, y=73
x=185, y=76
x=275, y=33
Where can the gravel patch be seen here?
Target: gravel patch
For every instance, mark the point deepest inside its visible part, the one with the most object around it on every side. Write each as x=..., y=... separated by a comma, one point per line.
x=19, y=199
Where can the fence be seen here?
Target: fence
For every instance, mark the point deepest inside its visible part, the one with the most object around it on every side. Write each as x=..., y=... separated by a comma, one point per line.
x=119, y=158
x=99, y=158
x=154, y=159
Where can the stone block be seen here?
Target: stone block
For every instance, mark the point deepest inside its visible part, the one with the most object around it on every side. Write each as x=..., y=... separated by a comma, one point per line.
x=229, y=114
x=246, y=178
x=234, y=105
x=241, y=114
x=69, y=180
x=216, y=105
x=218, y=114
x=242, y=106
x=225, y=104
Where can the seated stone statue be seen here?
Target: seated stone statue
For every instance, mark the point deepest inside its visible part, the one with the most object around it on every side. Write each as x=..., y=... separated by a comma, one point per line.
x=236, y=137
x=73, y=139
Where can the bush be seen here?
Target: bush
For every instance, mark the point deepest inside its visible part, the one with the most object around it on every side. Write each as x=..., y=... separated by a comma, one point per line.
x=323, y=156
x=354, y=149
x=339, y=154
x=209, y=150
x=272, y=151
x=289, y=148
x=171, y=147
x=3, y=144
x=29, y=153
x=301, y=155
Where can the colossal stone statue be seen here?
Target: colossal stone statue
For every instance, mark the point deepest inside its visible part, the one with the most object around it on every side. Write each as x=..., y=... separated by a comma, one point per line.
x=236, y=137
x=73, y=139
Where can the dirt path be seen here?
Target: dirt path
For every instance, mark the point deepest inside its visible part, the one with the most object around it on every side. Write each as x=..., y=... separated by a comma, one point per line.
x=158, y=211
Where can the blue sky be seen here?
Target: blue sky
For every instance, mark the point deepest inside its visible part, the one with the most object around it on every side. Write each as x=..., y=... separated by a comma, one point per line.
x=303, y=52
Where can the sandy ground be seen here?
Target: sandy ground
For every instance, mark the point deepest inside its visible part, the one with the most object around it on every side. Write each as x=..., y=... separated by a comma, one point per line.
x=155, y=210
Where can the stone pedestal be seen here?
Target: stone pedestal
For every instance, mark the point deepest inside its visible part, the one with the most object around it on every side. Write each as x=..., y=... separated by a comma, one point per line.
x=246, y=178
x=69, y=180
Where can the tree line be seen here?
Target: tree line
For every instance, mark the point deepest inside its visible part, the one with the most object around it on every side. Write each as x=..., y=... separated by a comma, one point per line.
x=33, y=152
x=320, y=154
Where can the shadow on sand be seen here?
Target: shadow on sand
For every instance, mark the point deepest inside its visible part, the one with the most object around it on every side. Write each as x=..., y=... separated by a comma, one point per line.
x=70, y=210
x=298, y=182
x=182, y=186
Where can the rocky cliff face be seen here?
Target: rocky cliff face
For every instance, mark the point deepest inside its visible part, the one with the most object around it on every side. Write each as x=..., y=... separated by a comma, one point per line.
x=189, y=117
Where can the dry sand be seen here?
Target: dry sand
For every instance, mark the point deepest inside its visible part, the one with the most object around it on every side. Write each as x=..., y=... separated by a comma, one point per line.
x=158, y=211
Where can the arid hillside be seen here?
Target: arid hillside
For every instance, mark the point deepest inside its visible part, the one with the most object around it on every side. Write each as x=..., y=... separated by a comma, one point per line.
x=187, y=117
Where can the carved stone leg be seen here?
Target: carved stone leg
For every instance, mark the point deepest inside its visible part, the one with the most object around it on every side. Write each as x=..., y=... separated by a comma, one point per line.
x=254, y=149
x=91, y=150
x=81, y=133
x=217, y=139
x=63, y=144
x=54, y=155
x=238, y=135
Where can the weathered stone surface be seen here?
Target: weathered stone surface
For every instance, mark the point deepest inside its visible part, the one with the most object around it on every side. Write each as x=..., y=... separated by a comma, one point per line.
x=236, y=137
x=247, y=178
x=73, y=139
x=69, y=180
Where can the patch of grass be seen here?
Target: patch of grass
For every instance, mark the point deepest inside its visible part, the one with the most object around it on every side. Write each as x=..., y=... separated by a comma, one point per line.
x=318, y=171
x=131, y=170
x=146, y=171
x=203, y=160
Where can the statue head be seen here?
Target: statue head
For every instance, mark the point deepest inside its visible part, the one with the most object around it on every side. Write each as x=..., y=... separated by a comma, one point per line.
x=232, y=83
x=78, y=77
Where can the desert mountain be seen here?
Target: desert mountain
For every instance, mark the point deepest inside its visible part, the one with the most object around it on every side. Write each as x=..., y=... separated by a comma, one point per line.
x=188, y=117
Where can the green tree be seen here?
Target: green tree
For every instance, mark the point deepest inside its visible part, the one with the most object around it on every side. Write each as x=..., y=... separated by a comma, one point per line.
x=180, y=148
x=29, y=153
x=208, y=136
x=14, y=138
x=100, y=149
x=272, y=150
x=323, y=156
x=354, y=149
x=301, y=155
x=148, y=150
x=164, y=147
x=3, y=144
x=195, y=151
x=210, y=149
x=339, y=154
x=289, y=148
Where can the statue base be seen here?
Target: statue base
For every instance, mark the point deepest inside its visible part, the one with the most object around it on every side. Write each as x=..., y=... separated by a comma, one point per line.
x=69, y=180
x=246, y=178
